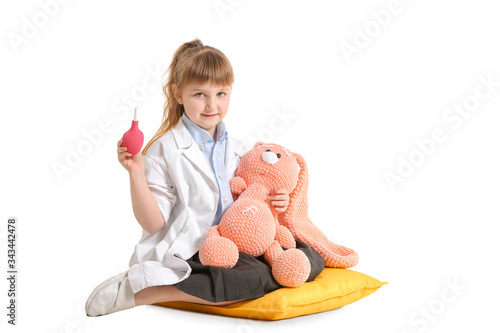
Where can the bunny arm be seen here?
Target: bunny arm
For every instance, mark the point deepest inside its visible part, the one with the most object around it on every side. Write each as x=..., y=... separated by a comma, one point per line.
x=237, y=186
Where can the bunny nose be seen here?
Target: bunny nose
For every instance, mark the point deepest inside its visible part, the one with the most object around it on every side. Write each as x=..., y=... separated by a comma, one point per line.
x=269, y=157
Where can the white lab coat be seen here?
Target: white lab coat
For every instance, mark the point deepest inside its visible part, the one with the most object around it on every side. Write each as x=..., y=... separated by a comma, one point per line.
x=183, y=184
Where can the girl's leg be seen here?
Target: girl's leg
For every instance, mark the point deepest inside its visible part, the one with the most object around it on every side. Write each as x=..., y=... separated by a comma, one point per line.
x=159, y=294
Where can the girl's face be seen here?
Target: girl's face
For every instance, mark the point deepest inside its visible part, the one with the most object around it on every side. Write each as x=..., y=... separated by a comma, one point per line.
x=205, y=104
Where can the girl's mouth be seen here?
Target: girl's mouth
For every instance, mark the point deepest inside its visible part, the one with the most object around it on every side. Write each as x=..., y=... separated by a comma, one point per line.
x=209, y=115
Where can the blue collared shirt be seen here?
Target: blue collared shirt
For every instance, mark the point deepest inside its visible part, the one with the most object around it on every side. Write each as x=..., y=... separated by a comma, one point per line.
x=214, y=153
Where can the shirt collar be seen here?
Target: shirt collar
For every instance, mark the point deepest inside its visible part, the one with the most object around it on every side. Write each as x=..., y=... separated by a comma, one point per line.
x=201, y=136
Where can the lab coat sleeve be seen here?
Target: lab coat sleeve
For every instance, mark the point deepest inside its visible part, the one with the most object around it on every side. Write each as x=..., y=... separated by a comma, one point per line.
x=160, y=185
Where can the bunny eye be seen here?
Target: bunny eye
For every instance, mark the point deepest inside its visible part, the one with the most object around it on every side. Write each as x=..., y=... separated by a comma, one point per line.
x=268, y=150
x=278, y=154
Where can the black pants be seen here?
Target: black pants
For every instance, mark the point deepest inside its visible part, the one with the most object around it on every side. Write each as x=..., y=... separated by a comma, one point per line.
x=249, y=278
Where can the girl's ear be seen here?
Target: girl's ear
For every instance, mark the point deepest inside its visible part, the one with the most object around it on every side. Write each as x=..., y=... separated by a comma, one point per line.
x=177, y=94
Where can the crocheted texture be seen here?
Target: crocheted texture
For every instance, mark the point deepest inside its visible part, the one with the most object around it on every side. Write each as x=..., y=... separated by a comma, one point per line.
x=255, y=228
x=297, y=221
x=221, y=252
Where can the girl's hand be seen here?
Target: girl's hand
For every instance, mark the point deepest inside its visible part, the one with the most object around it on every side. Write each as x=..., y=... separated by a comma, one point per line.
x=280, y=200
x=129, y=162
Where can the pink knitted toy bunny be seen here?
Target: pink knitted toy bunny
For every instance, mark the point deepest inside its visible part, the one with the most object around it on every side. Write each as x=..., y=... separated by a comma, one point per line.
x=251, y=226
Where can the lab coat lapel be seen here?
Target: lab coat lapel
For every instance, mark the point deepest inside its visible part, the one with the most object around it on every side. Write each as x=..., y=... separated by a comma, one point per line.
x=234, y=151
x=191, y=151
x=196, y=157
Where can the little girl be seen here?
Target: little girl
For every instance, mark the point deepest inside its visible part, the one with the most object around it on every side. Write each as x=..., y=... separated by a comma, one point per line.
x=179, y=189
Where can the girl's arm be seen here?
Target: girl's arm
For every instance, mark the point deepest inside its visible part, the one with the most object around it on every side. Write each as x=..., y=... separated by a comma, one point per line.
x=146, y=209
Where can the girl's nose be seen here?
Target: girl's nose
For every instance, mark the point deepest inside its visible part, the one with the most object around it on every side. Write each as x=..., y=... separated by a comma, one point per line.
x=210, y=104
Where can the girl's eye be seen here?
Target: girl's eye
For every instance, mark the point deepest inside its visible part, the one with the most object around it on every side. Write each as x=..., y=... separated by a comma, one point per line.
x=198, y=94
x=223, y=94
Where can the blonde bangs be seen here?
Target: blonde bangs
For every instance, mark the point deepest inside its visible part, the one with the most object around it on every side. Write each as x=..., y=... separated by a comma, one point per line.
x=207, y=66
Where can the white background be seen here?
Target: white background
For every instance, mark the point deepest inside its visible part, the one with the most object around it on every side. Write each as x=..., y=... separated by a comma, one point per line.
x=353, y=119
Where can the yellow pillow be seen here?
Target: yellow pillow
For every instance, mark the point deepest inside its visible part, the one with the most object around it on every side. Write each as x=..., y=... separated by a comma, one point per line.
x=333, y=288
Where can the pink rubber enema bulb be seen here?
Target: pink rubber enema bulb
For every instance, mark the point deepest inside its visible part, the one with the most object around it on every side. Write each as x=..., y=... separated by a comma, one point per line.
x=133, y=138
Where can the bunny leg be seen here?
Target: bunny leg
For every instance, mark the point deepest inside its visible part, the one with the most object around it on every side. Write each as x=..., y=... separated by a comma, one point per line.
x=273, y=252
x=217, y=251
x=285, y=237
x=290, y=268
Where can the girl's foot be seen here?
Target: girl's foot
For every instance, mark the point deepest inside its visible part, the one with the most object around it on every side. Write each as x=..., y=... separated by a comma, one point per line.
x=114, y=294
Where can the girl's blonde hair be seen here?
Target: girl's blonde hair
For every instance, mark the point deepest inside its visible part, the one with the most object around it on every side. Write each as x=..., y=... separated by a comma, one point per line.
x=193, y=62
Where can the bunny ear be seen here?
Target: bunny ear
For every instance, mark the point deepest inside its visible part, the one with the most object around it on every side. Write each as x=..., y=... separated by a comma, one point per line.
x=296, y=219
x=297, y=207
x=258, y=143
